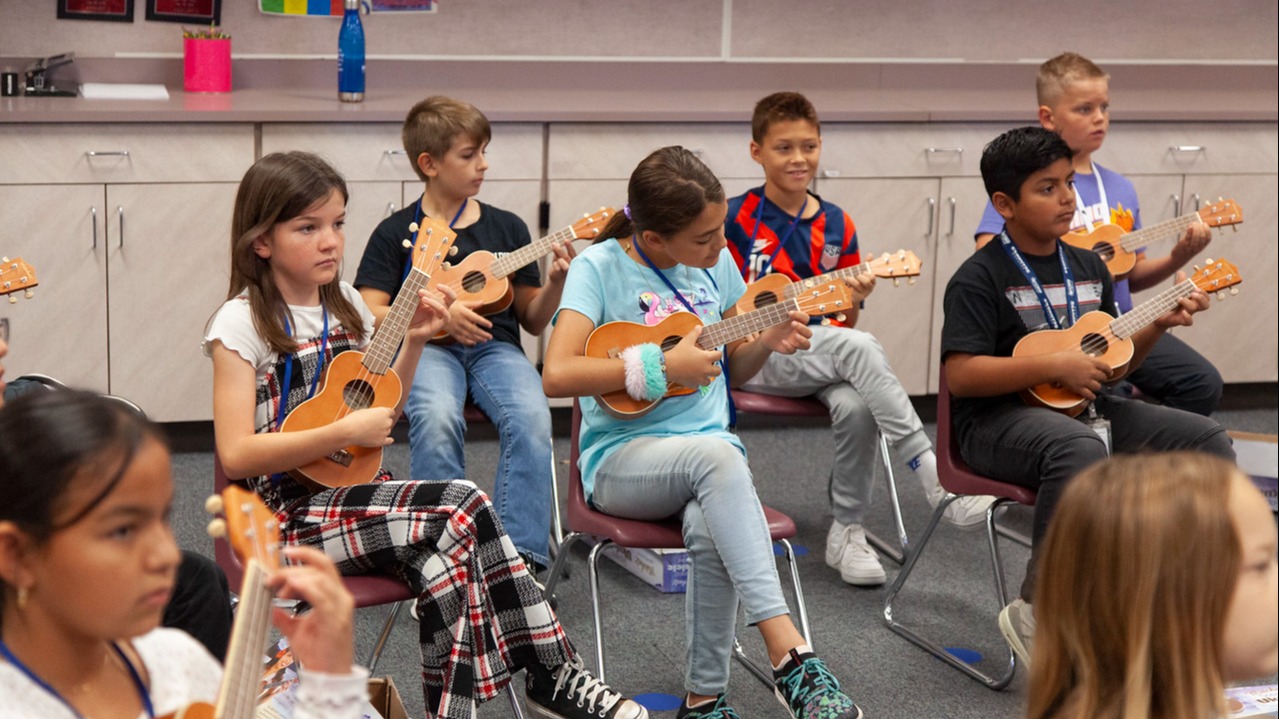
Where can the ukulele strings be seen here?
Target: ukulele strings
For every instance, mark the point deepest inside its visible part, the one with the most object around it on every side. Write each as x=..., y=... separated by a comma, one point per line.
x=1139, y=317
x=1157, y=231
x=563, y=236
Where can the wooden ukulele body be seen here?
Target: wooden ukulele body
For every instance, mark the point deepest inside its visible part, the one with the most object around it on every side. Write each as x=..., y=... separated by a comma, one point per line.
x=348, y=386
x=199, y=710
x=1107, y=242
x=474, y=281
x=767, y=290
x=609, y=339
x=1093, y=330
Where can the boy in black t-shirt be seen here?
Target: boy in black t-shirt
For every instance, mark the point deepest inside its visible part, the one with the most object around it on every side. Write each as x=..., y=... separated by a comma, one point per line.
x=446, y=140
x=1019, y=283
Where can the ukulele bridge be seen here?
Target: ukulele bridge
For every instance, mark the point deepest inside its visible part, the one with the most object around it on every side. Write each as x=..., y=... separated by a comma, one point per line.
x=342, y=457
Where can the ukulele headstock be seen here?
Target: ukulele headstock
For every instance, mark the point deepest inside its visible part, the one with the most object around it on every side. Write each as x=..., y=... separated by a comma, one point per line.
x=1215, y=277
x=16, y=276
x=248, y=526
x=832, y=297
x=434, y=244
x=590, y=226
x=896, y=265
x=1221, y=213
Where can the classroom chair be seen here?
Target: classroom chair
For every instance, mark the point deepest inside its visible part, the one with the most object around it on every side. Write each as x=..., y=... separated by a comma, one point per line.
x=959, y=480
x=759, y=403
x=584, y=521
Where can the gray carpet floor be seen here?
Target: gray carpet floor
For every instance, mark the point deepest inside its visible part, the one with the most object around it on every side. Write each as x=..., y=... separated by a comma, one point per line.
x=949, y=596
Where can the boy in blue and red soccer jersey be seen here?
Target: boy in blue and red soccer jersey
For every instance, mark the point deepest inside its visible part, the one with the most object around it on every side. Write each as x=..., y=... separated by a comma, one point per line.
x=783, y=228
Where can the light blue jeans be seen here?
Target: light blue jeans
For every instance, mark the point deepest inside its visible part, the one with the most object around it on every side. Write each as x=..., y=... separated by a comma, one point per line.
x=730, y=552
x=508, y=389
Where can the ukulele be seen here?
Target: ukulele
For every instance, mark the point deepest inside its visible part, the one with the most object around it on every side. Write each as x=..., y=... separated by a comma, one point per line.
x=483, y=277
x=610, y=339
x=1109, y=338
x=359, y=380
x=254, y=535
x=1119, y=250
x=16, y=276
x=770, y=288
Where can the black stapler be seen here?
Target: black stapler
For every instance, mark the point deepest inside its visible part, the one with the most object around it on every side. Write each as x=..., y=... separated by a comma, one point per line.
x=38, y=85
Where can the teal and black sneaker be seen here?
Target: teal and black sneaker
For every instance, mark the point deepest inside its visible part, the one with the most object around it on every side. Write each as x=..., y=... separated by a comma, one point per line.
x=807, y=688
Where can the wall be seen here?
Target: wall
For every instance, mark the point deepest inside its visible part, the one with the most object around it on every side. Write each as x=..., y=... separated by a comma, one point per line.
x=1229, y=31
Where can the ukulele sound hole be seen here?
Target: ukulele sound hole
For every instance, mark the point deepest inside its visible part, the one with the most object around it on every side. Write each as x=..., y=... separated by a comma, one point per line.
x=473, y=282
x=1105, y=249
x=358, y=394
x=670, y=342
x=764, y=299
x=1094, y=344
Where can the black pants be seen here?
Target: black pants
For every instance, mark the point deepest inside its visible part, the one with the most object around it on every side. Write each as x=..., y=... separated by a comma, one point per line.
x=201, y=604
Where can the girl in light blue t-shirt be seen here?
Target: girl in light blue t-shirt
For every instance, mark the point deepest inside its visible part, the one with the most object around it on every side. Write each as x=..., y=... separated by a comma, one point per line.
x=679, y=458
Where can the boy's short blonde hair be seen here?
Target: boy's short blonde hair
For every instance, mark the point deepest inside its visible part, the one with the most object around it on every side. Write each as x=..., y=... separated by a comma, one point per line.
x=434, y=123
x=1060, y=71
x=781, y=107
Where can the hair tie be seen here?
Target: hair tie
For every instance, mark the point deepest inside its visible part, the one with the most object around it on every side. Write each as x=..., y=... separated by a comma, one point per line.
x=626, y=210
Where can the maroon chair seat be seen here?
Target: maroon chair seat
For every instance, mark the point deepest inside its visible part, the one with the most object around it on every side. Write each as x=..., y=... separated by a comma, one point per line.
x=585, y=521
x=958, y=479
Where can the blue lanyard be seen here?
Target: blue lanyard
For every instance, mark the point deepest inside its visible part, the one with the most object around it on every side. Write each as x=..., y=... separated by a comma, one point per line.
x=759, y=220
x=133, y=673
x=723, y=360
x=281, y=408
x=417, y=219
x=1067, y=278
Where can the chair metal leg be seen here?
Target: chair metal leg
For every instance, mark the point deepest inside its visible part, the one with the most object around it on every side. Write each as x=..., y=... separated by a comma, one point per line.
x=898, y=555
x=593, y=570
x=766, y=676
x=992, y=682
x=516, y=711
x=558, y=566
x=557, y=525
x=375, y=654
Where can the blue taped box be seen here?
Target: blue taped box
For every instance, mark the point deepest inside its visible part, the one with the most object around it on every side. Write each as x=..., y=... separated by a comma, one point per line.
x=665, y=570
x=1258, y=457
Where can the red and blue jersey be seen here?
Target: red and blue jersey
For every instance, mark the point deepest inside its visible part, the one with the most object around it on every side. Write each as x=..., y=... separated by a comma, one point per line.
x=812, y=246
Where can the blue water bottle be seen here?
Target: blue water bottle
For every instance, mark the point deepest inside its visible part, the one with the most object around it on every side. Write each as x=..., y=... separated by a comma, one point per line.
x=351, y=54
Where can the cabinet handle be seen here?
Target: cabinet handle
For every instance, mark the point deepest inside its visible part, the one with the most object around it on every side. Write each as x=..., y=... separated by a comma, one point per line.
x=120, y=213
x=831, y=173
x=952, y=203
x=1176, y=205
x=1196, y=196
x=947, y=150
x=1187, y=148
x=93, y=212
x=932, y=210
x=393, y=153
x=106, y=153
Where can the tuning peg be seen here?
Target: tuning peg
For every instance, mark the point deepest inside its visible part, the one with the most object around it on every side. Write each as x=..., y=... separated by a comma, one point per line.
x=447, y=265
x=407, y=244
x=1207, y=261
x=4, y=260
x=841, y=317
x=29, y=294
x=897, y=282
x=1221, y=294
x=13, y=300
x=413, y=227
x=453, y=251
x=825, y=322
x=213, y=505
x=216, y=528
x=910, y=281
x=1234, y=290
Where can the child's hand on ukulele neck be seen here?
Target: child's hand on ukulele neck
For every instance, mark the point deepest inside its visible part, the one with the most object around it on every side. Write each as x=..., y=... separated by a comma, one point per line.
x=1181, y=316
x=1193, y=241
x=788, y=337
x=1078, y=372
x=322, y=637
x=563, y=254
x=861, y=285
x=690, y=365
x=367, y=427
x=432, y=313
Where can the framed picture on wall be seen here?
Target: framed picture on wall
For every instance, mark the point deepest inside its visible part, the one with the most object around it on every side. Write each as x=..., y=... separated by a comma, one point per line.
x=203, y=12
x=112, y=10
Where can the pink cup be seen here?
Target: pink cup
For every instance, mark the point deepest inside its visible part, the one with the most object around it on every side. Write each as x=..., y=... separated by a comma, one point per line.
x=207, y=65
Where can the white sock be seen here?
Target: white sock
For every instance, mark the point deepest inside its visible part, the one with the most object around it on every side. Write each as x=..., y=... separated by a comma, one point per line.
x=925, y=467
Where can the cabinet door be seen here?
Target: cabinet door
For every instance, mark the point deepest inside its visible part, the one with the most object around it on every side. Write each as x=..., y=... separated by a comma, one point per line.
x=611, y=150
x=962, y=201
x=168, y=251
x=1237, y=334
x=62, y=330
x=892, y=214
x=369, y=204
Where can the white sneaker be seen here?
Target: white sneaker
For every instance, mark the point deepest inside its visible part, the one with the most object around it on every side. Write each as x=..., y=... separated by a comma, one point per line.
x=1017, y=624
x=847, y=551
x=968, y=512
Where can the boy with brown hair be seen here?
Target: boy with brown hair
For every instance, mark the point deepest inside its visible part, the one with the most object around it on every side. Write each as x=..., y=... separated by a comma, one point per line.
x=782, y=227
x=1028, y=280
x=446, y=140
x=1074, y=101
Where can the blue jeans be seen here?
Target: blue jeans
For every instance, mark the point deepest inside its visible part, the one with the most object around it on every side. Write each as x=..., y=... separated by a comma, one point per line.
x=508, y=389
x=707, y=481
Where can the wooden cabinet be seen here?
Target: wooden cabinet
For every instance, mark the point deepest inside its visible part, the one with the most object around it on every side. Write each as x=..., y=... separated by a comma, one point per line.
x=128, y=227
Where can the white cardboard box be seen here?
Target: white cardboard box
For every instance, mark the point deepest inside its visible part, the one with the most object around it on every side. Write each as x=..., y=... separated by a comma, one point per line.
x=665, y=570
x=1258, y=457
